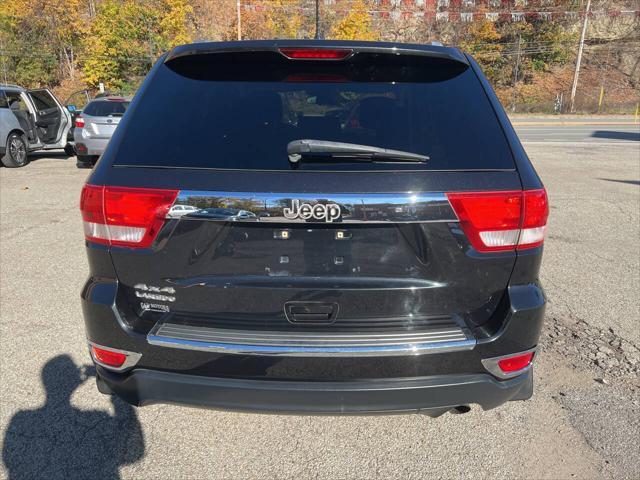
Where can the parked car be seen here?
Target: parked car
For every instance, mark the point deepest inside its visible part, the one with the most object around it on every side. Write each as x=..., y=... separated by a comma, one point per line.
x=30, y=120
x=177, y=211
x=230, y=214
x=397, y=270
x=95, y=126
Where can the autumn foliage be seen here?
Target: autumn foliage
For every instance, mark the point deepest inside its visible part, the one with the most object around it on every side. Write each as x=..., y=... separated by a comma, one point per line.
x=357, y=24
x=74, y=44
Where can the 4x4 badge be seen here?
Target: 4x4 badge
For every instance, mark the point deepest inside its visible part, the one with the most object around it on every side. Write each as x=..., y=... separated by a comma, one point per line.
x=324, y=212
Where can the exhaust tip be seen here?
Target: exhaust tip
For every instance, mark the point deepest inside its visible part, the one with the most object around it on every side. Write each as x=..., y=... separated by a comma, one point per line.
x=460, y=409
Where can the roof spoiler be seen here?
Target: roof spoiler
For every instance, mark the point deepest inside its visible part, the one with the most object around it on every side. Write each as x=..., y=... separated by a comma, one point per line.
x=427, y=50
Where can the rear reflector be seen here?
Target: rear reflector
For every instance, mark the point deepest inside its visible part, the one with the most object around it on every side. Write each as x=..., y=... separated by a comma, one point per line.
x=130, y=217
x=108, y=357
x=316, y=53
x=515, y=363
x=509, y=366
x=504, y=220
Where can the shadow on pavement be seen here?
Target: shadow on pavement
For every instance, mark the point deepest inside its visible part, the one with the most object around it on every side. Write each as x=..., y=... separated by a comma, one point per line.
x=630, y=182
x=58, y=155
x=58, y=440
x=631, y=136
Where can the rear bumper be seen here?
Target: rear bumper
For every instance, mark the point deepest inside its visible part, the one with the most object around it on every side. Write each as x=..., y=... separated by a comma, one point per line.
x=431, y=382
x=94, y=146
x=429, y=395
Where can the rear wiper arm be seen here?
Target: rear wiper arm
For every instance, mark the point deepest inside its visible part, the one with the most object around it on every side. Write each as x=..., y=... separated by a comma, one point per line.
x=352, y=151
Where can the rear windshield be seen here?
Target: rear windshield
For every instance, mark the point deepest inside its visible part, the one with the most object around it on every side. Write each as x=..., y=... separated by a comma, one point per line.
x=104, y=108
x=228, y=111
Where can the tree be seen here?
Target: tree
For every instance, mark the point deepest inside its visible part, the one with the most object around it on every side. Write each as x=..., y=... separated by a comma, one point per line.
x=65, y=27
x=276, y=19
x=356, y=24
x=120, y=45
x=175, y=23
x=127, y=36
x=26, y=66
x=556, y=43
x=283, y=19
x=214, y=21
x=43, y=37
x=483, y=42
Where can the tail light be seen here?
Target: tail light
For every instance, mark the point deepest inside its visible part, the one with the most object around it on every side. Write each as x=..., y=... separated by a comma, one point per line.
x=130, y=217
x=79, y=122
x=509, y=366
x=296, y=53
x=504, y=220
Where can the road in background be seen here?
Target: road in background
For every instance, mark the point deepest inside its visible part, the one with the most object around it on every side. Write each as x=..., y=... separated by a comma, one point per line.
x=577, y=130
x=582, y=422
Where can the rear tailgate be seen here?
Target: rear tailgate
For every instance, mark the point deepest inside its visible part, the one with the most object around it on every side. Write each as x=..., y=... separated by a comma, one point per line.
x=100, y=127
x=337, y=246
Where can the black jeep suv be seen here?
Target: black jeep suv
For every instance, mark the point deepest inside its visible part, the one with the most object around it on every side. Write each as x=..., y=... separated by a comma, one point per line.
x=315, y=227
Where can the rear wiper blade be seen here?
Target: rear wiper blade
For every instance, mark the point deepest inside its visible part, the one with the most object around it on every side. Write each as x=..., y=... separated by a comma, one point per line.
x=309, y=148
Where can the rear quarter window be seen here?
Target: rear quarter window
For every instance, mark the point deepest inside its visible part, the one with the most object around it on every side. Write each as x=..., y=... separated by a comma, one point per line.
x=204, y=115
x=106, y=108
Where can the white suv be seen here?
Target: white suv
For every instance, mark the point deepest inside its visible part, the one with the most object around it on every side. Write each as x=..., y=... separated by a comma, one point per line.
x=30, y=120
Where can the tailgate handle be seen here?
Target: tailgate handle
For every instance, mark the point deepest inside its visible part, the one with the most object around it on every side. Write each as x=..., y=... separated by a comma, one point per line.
x=311, y=313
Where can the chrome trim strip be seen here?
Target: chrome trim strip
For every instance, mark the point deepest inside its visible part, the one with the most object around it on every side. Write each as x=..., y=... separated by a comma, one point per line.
x=491, y=364
x=310, y=344
x=132, y=357
x=352, y=208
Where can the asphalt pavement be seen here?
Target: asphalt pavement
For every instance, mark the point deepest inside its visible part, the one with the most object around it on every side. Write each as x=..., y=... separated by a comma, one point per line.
x=573, y=130
x=583, y=421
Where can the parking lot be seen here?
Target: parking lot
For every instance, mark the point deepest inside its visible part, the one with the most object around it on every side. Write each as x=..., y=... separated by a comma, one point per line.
x=583, y=421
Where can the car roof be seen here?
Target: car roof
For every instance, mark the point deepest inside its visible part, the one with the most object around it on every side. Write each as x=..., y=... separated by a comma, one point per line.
x=9, y=86
x=111, y=98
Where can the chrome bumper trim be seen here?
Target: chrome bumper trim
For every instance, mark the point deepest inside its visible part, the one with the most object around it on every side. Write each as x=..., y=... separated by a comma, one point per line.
x=266, y=207
x=310, y=344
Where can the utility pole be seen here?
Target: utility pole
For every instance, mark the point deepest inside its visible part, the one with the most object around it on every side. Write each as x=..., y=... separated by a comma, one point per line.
x=317, y=37
x=574, y=87
x=516, y=71
x=239, y=15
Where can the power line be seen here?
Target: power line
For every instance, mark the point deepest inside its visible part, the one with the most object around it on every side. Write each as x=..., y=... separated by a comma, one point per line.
x=19, y=53
x=573, y=14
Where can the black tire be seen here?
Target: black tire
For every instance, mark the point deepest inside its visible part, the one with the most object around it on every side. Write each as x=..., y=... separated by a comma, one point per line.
x=16, y=153
x=86, y=161
x=69, y=150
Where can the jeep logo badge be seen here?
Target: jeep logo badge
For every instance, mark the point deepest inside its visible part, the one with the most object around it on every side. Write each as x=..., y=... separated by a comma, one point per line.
x=306, y=211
